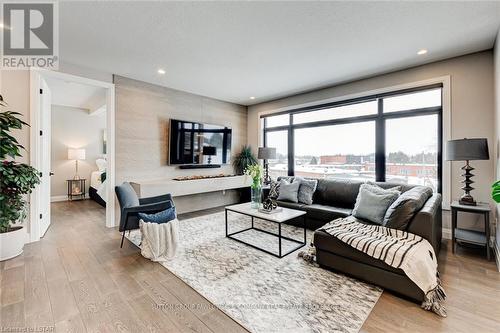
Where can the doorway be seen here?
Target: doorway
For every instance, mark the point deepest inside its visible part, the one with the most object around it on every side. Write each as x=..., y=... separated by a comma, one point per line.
x=72, y=144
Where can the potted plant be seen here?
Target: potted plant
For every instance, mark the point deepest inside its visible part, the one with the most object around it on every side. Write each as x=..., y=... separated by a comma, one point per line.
x=17, y=180
x=243, y=160
x=255, y=171
x=495, y=191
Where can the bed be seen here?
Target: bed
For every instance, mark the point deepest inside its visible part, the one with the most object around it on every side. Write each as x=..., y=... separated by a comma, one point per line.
x=98, y=188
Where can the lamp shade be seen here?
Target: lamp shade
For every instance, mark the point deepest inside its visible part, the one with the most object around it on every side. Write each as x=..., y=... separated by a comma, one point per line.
x=266, y=153
x=467, y=150
x=209, y=150
x=76, y=154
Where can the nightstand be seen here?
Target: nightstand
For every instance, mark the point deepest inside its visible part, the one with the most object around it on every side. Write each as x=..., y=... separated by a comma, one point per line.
x=471, y=236
x=76, y=188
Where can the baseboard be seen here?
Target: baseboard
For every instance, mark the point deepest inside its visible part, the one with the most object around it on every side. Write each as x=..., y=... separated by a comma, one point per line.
x=496, y=250
x=58, y=198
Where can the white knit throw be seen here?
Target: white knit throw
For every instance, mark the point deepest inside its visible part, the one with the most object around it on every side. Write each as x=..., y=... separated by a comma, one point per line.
x=159, y=241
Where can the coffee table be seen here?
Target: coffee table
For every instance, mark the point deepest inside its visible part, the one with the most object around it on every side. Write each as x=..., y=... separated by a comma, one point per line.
x=286, y=214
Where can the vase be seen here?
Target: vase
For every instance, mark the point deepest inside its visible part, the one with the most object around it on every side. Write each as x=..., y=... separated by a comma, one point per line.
x=256, y=197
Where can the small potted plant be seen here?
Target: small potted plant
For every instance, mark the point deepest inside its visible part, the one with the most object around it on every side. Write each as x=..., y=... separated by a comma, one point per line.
x=255, y=171
x=17, y=180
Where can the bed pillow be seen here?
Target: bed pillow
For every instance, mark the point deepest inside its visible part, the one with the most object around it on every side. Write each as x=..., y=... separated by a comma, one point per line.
x=404, y=208
x=306, y=189
x=289, y=191
x=164, y=216
x=101, y=164
x=372, y=203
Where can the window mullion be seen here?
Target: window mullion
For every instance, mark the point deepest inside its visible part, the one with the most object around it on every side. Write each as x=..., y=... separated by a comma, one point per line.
x=291, y=148
x=380, y=143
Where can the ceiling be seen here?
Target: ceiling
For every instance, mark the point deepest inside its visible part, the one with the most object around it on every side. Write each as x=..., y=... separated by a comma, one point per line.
x=76, y=95
x=234, y=50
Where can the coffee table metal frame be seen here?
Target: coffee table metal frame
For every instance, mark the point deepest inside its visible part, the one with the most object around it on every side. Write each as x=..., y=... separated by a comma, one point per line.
x=279, y=235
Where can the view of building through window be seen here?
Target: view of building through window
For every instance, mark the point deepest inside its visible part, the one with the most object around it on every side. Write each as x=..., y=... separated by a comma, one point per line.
x=348, y=149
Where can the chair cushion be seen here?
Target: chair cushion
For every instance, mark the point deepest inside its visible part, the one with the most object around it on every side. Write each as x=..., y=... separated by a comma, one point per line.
x=326, y=213
x=402, y=210
x=126, y=195
x=325, y=242
x=372, y=203
x=164, y=216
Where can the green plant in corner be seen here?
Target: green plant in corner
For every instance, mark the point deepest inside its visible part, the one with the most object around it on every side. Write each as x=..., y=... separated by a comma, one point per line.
x=243, y=160
x=16, y=179
x=495, y=191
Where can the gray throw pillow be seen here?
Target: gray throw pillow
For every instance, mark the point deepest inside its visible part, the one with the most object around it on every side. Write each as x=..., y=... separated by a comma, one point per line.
x=400, y=213
x=372, y=203
x=289, y=191
x=306, y=189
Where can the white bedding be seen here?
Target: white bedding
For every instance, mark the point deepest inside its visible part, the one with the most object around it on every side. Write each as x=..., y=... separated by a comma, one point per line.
x=95, y=182
x=95, y=179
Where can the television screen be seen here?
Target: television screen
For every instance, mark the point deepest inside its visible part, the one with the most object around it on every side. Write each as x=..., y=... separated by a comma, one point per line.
x=196, y=143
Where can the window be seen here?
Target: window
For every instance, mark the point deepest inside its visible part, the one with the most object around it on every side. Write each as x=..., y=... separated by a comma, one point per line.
x=393, y=137
x=344, y=111
x=278, y=140
x=411, y=150
x=412, y=101
x=336, y=151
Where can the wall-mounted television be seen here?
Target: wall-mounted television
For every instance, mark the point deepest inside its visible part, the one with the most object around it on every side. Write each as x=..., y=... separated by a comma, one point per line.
x=187, y=140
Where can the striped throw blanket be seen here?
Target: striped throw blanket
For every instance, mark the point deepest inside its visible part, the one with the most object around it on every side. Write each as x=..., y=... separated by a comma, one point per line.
x=399, y=249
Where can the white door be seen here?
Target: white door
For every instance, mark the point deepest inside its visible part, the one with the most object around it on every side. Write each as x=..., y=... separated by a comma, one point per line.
x=44, y=157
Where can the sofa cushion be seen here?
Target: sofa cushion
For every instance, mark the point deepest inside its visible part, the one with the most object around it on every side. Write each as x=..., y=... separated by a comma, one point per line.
x=373, y=202
x=326, y=242
x=402, y=210
x=274, y=190
x=337, y=192
x=292, y=205
x=289, y=191
x=326, y=213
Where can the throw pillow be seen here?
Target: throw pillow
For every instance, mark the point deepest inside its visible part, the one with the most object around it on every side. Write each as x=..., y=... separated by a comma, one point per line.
x=289, y=191
x=404, y=208
x=164, y=216
x=274, y=190
x=372, y=203
x=306, y=189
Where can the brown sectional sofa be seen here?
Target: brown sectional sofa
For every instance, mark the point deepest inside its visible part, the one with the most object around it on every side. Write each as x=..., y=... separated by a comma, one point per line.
x=335, y=198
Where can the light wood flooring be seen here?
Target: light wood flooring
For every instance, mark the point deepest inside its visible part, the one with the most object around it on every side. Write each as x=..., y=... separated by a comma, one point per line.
x=77, y=279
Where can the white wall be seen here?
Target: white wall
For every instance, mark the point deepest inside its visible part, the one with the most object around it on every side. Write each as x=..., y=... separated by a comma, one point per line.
x=472, y=111
x=142, y=117
x=74, y=128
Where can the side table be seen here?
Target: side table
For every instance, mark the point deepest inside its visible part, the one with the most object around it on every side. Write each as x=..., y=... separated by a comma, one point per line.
x=76, y=188
x=471, y=236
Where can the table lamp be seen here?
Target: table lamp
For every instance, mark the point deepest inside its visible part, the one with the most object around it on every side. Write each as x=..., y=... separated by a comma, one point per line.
x=467, y=150
x=266, y=153
x=76, y=154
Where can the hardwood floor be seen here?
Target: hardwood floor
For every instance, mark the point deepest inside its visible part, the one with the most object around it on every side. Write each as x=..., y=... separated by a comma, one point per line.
x=77, y=279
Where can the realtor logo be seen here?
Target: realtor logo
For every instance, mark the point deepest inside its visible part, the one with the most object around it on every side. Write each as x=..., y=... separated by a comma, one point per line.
x=30, y=35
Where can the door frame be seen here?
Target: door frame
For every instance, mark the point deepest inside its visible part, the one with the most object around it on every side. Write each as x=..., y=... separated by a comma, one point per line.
x=35, y=75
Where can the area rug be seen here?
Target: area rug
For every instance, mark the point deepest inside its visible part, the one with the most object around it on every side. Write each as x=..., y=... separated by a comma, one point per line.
x=262, y=292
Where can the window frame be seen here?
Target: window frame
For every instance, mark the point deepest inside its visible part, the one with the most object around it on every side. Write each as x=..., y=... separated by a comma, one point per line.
x=380, y=119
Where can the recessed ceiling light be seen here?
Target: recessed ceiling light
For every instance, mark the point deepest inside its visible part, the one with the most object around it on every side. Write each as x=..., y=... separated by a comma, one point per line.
x=161, y=71
x=252, y=97
x=422, y=52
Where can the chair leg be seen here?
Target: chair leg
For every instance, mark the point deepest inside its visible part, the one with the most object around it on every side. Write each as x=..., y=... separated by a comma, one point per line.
x=123, y=237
